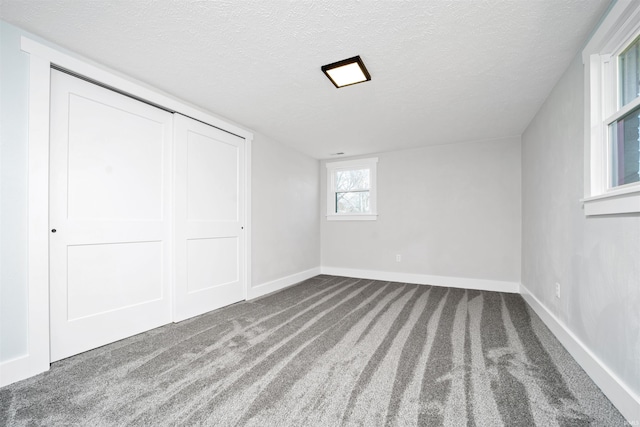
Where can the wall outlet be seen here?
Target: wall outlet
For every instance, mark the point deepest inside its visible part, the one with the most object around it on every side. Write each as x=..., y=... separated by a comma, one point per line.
x=398, y=258
x=557, y=290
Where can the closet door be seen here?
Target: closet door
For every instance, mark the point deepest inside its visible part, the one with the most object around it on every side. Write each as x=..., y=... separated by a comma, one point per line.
x=209, y=210
x=110, y=191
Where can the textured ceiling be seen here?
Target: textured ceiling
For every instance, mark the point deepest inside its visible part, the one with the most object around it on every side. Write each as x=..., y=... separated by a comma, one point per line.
x=442, y=71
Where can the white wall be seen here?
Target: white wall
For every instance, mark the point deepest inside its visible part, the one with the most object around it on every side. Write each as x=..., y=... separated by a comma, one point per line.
x=14, y=70
x=284, y=210
x=596, y=260
x=448, y=210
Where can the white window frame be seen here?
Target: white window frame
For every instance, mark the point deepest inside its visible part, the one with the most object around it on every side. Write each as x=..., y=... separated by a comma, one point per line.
x=617, y=31
x=370, y=163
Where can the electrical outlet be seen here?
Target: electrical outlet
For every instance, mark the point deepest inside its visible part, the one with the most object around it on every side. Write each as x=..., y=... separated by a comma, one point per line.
x=557, y=290
x=398, y=258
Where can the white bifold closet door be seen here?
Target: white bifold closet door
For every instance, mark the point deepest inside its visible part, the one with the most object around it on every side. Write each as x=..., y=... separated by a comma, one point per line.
x=209, y=210
x=110, y=207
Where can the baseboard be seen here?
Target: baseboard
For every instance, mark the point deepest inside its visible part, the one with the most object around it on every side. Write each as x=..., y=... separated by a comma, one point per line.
x=425, y=279
x=19, y=369
x=618, y=393
x=281, y=283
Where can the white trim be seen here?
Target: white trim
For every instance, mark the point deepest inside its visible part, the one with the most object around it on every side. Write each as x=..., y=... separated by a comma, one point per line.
x=620, y=191
x=613, y=30
x=622, y=111
x=281, y=283
x=18, y=369
x=425, y=279
x=624, y=200
x=247, y=216
x=617, y=391
x=40, y=59
x=352, y=164
x=351, y=217
x=37, y=358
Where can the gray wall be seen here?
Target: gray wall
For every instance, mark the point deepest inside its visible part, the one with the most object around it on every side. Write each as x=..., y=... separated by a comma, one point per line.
x=14, y=85
x=449, y=210
x=596, y=260
x=285, y=211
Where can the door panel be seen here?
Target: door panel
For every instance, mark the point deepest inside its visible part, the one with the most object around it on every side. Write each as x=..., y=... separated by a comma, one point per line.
x=209, y=239
x=212, y=170
x=110, y=205
x=212, y=263
x=115, y=171
x=128, y=274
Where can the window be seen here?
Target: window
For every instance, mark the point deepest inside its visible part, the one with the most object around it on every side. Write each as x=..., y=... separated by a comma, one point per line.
x=351, y=190
x=612, y=74
x=624, y=130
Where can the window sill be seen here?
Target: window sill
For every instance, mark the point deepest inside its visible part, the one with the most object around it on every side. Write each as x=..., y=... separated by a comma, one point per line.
x=624, y=200
x=367, y=217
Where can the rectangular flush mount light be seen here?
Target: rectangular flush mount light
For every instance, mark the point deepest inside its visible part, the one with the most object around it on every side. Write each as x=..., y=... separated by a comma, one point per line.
x=347, y=72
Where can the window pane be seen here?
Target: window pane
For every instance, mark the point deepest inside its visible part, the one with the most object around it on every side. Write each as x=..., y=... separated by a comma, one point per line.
x=630, y=73
x=352, y=202
x=625, y=149
x=348, y=180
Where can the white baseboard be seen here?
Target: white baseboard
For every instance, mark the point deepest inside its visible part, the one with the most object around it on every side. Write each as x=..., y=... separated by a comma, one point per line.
x=618, y=393
x=424, y=279
x=281, y=283
x=19, y=369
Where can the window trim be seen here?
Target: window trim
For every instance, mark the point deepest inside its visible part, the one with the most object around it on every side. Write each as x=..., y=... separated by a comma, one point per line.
x=370, y=163
x=618, y=30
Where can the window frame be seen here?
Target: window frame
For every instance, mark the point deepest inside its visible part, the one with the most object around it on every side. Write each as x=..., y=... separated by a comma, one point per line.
x=370, y=163
x=618, y=30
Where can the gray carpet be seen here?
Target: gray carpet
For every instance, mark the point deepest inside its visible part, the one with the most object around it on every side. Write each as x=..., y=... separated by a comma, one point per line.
x=330, y=351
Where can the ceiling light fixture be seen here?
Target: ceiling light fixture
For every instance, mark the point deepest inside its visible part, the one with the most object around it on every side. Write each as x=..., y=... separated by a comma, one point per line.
x=347, y=72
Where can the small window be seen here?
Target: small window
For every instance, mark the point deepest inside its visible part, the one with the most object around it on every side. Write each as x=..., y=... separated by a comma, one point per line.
x=612, y=70
x=351, y=190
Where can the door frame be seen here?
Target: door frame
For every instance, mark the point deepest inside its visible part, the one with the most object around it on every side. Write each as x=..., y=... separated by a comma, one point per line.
x=41, y=59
